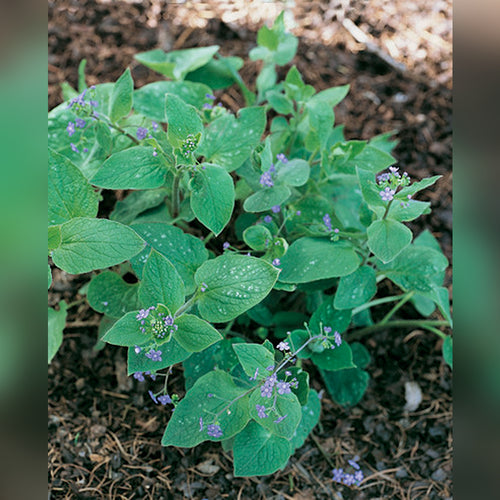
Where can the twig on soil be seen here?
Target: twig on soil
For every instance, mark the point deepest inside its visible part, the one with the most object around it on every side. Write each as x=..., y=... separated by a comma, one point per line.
x=323, y=452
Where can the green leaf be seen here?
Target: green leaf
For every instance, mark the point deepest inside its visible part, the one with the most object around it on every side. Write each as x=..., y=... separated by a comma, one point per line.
x=417, y=268
x=121, y=98
x=266, y=79
x=409, y=211
x=183, y=428
x=54, y=237
x=387, y=238
x=178, y=63
x=234, y=284
x=132, y=168
x=310, y=259
x=294, y=172
x=57, y=322
x=310, y=417
x=69, y=193
x=89, y=244
x=265, y=199
x=49, y=276
x=212, y=197
x=171, y=354
x=328, y=315
x=228, y=141
x=184, y=251
x=330, y=97
x=279, y=102
x=302, y=390
x=321, y=119
x=356, y=288
x=135, y=203
x=285, y=405
x=258, y=452
x=183, y=120
x=108, y=293
x=253, y=357
x=217, y=74
x=370, y=190
x=418, y=186
x=257, y=237
x=448, y=351
x=161, y=283
x=334, y=359
x=195, y=334
x=220, y=356
x=126, y=332
x=346, y=387
x=147, y=98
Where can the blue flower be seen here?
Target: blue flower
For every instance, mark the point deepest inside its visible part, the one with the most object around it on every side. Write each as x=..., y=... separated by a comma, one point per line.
x=166, y=399
x=268, y=219
x=261, y=411
x=283, y=387
x=210, y=96
x=153, y=397
x=139, y=376
x=214, y=430
x=74, y=148
x=280, y=419
x=266, y=179
x=282, y=158
x=327, y=221
x=349, y=479
x=276, y=262
x=276, y=209
x=80, y=123
x=226, y=245
x=154, y=355
x=387, y=194
x=283, y=346
x=141, y=133
x=70, y=128
x=338, y=475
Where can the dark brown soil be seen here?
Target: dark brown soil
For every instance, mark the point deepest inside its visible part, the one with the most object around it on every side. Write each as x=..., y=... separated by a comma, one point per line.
x=104, y=432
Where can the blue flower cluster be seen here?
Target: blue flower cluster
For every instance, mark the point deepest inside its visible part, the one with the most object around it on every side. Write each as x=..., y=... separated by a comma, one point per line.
x=354, y=477
x=390, y=183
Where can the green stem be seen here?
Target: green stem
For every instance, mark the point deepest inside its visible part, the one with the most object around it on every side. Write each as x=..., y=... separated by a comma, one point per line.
x=210, y=235
x=397, y=324
x=406, y=297
x=439, y=333
x=186, y=306
x=124, y=132
x=175, y=195
x=76, y=302
x=375, y=302
x=387, y=209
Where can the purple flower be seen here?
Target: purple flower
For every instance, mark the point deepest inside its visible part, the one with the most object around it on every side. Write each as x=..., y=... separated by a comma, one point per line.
x=155, y=126
x=268, y=219
x=214, y=430
x=153, y=397
x=276, y=209
x=283, y=387
x=327, y=329
x=141, y=133
x=266, y=180
x=338, y=475
x=387, y=194
x=166, y=399
x=85, y=150
x=74, y=148
x=266, y=391
x=353, y=464
x=226, y=245
x=139, y=376
x=280, y=419
x=383, y=178
x=359, y=476
x=298, y=213
x=255, y=374
x=154, y=355
x=327, y=221
x=336, y=230
x=272, y=168
x=207, y=106
x=155, y=153
x=80, y=123
x=282, y=158
x=283, y=346
x=201, y=424
x=94, y=104
x=137, y=349
x=169, y=321
x=70, y=128
x=203, y=287
x=210, y=96
x=338, y=341
x=261, y=411
x=394, y=170
x=348, y=479
x=276, y=262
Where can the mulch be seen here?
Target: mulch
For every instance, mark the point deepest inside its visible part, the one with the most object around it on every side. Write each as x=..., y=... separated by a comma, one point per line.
x=104, y=431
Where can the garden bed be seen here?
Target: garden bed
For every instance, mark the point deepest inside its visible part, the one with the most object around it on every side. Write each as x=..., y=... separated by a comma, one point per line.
x=104, y=431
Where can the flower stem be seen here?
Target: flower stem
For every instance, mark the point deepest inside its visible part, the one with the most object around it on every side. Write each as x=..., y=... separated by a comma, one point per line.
x=406, y=297
x=186, y=306
x=426, y=324
x=376, y=302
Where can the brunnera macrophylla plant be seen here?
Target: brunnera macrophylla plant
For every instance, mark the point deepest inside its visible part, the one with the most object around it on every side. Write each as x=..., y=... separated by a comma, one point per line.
x=256, y=244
